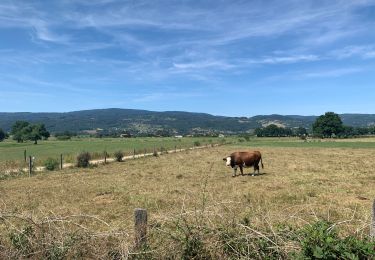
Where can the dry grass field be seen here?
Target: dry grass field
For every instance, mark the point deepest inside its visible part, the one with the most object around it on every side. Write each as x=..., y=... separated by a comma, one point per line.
x=193, y=192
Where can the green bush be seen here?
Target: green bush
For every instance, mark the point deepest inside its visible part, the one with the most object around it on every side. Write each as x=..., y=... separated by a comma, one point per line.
x=118, y=156
x=51, y=164
x=83, y=159
x=63, y=137
x=21, y=240
x=321, y=241
x=197, y=143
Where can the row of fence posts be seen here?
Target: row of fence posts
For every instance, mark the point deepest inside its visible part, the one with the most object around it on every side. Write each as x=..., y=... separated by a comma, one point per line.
x=31, y=159
x=140, y=220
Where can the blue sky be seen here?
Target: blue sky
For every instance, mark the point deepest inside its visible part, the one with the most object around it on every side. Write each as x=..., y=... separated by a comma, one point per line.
x=235, y=58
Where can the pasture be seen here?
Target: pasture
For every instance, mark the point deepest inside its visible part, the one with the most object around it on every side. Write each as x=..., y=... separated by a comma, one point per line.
x=12, y=153
x=194, y=203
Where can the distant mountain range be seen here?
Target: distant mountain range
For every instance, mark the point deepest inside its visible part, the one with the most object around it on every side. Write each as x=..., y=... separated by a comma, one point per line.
x=143, y=121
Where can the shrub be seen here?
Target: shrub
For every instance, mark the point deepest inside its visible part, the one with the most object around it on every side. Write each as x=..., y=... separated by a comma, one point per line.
x=21, y=240
x=63, y=137
x=51, y=164
x=83, y=159
x=197, y=143
x=118, y=156
x=2, y=135
x=320, y=240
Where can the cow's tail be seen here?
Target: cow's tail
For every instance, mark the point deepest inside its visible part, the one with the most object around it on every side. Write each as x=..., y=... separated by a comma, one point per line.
x=261, y=162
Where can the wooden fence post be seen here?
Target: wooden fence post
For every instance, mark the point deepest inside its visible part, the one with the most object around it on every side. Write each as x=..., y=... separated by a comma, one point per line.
x=372, y=226
x=105, y=157
x=61, y=162
x=24, y=155
x=134, y=153
x=30, y=165
x=144, y=155
x=140, y=228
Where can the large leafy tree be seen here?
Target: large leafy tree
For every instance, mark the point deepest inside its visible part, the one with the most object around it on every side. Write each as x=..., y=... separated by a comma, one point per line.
x=328, y=125
x=37, y=132
x=2, y=135
x=18, y=129
x=22, y=131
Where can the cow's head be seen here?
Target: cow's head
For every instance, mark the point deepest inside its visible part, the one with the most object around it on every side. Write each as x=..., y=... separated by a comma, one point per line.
x=228, y=160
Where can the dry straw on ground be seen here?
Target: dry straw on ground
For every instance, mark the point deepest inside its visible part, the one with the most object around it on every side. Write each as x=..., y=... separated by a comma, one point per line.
x=195, y=189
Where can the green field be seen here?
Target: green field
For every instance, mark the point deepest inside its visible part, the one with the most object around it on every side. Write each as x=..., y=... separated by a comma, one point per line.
x=13, y=151
x=313, y=143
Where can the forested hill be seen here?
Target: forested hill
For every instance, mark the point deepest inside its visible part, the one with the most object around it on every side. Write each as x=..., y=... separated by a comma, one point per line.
x=175, y=122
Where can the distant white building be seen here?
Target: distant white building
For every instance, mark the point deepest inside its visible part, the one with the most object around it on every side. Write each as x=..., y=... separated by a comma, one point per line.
x=178, y=136
x=221, y=135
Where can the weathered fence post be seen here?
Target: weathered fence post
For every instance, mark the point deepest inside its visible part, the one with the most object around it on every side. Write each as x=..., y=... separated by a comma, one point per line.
x=134, y=153
x=372, y=226
x=105, y=157
x=61, y=162
x=140, y=219
x=30, y=165
x=144, y=155
x=24, y=155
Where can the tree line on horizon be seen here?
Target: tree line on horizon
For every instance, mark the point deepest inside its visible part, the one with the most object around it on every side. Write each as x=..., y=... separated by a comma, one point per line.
x=328, y=125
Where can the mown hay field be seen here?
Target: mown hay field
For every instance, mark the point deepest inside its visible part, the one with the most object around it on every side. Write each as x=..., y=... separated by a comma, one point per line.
x=194, y=190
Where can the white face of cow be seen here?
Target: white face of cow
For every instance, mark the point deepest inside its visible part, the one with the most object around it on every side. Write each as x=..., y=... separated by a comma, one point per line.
x=228, y=161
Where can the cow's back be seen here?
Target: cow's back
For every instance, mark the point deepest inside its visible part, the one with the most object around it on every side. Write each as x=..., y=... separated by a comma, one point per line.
x=247, y=158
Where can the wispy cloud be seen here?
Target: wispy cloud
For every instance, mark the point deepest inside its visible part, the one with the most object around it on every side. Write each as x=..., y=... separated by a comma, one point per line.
x=82, y=45
x=286, y=59
x=363, y=51
x=330, y=73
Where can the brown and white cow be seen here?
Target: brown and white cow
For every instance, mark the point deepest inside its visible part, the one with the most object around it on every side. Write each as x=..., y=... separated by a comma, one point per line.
x=244, y=160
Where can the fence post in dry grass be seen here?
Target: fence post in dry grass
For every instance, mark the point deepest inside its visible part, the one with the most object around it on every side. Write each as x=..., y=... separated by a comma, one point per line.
x=372, y=226
x=134, y=153
x=144, y=155
x=61, y=162
x=140, y=218
x=105, y=157
x=24, y=155
x=30, y=165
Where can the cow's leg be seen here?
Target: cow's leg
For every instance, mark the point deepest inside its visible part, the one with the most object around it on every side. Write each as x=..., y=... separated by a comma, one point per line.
x=234, y=171
x=255, y=167
x=241, y=169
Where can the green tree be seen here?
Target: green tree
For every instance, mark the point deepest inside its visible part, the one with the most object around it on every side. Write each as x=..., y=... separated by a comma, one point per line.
x=2, y=135
x=17, y=130
x=328, y=125
x=22, y=131
x=36, y=132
